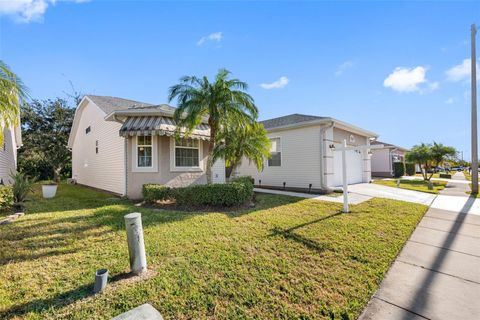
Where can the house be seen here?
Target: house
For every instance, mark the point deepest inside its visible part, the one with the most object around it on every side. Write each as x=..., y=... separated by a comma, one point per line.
x=384, y=158
x=303, y=156
x=119, y=145
x=12, y=140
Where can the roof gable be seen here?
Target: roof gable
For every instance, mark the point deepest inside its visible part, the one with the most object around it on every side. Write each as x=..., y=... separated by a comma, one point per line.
x=109, y=104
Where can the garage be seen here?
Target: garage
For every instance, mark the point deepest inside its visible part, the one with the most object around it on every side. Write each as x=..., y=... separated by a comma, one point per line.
x=354, y=167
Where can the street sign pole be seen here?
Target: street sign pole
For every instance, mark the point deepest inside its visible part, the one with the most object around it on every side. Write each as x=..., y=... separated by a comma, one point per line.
x=474, y=115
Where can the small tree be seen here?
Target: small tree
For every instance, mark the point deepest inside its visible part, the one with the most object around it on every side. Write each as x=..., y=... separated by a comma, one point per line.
x=238, y=140
x=46, y=127
x=428, y=156
x=217, y=101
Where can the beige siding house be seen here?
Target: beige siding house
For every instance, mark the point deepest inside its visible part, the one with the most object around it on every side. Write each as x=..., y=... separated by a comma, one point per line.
x=12, y=140
x=303, y=155
x=119, y=145
x=384, y=158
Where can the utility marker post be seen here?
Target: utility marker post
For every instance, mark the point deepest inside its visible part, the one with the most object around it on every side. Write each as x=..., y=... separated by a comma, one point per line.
x=136, y=246
x=474, y=114
x=345, y=180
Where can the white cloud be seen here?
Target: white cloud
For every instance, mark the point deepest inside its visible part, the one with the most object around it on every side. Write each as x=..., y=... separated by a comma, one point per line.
x=449, y=100
x=407, y=79
x=344, y=66
x=278, y=84
x=216, y=36
x=460, y=71
x=28, y=10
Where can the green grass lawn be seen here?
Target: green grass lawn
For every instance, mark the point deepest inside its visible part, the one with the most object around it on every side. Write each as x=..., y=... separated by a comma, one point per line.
x=417, y=185
x=285, y=258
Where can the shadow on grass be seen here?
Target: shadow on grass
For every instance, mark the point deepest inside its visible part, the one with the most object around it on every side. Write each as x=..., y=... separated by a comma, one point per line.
x=61, y=300
x=45, y=236
x=290, y=235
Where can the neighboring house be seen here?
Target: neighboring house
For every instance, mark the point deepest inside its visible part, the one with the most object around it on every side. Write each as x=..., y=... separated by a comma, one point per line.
x=12, y=140
x=119, y=145
x=303, y=157
x=383, y=159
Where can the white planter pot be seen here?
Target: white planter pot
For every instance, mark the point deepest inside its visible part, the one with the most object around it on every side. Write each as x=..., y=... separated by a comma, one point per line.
x=49, y=191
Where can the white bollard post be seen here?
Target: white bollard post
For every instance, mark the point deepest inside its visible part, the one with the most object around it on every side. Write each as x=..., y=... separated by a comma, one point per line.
x=136, y=246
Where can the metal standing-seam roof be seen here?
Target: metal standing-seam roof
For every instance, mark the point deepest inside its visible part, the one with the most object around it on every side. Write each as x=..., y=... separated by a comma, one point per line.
x=158, y=125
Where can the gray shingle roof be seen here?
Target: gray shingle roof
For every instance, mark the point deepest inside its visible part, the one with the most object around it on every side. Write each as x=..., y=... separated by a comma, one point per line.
x=288, y=120
x=388, y=145
x=110, y=104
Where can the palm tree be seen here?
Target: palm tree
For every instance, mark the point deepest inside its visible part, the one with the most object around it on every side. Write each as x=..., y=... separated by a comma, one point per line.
x=12, y=94
x=244, y=140
x=216, y=102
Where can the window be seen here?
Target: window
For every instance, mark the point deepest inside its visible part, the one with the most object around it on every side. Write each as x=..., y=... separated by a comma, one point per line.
x=96, y=146
x=144, y=151
x=187, y=153
x=275, y=159
x=88, y=130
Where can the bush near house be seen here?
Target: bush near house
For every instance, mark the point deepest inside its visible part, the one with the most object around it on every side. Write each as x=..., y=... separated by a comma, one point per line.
x=233, y=193
x=398, y=169
x=6, y=197
x=410, y=169
x=157, y=192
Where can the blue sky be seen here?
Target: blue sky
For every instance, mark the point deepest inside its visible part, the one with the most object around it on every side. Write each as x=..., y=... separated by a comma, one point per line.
x=395, y=68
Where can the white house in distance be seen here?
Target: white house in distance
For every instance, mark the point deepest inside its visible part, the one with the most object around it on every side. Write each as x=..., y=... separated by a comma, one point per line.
x=384, y=158
x=12, y=140
x=119, y=145
x=302, y=157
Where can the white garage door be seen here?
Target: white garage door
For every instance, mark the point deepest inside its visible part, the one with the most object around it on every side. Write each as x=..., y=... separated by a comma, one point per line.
x=354, y=167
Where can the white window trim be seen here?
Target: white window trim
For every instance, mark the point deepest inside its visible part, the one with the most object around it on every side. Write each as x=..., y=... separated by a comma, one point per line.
x=154, y=167
x=174, y=168
x=281, y=152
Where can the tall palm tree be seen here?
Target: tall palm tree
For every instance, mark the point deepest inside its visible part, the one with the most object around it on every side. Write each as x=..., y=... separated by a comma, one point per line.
x=218, y=102
x=12, y=94
x=239, y=141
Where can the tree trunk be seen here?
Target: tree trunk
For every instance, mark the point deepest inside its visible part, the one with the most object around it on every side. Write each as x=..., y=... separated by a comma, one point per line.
x=56, y=174
x=211, y=145
x=228, y=171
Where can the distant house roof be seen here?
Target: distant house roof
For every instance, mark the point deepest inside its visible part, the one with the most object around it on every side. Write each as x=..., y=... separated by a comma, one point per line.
x=288, y=120
x=110, y=104
x=388, y=145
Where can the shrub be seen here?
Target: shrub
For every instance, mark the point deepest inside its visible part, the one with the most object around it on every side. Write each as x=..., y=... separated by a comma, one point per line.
x=155, y=192
x=244, y=179
x=410, y=169
x=233, y=193
x=21, y=186
x=6, y=197
x=398, y=169
x=227, y=194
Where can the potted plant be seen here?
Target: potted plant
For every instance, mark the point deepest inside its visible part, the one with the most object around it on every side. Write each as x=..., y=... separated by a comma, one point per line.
x=49, y=189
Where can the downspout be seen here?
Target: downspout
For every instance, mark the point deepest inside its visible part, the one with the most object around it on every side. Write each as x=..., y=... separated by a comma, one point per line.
x=322, y=154
x=126, y=165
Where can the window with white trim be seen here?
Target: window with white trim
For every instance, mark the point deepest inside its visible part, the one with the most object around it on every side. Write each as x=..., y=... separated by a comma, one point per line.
x=187, y=153
x=144, y=151
x=275, y=159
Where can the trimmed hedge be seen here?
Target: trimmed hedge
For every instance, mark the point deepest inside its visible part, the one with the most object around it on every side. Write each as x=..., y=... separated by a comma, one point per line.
x=6, y=197
x=410, y=169
x=157, y=192
x=398, y=169
x=233, y=193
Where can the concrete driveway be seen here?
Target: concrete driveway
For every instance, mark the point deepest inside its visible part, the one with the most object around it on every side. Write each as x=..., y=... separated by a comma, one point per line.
x=379, y=191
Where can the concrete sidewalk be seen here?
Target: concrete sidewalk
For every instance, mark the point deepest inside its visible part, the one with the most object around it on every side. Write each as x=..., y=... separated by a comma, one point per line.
x=436, y=275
